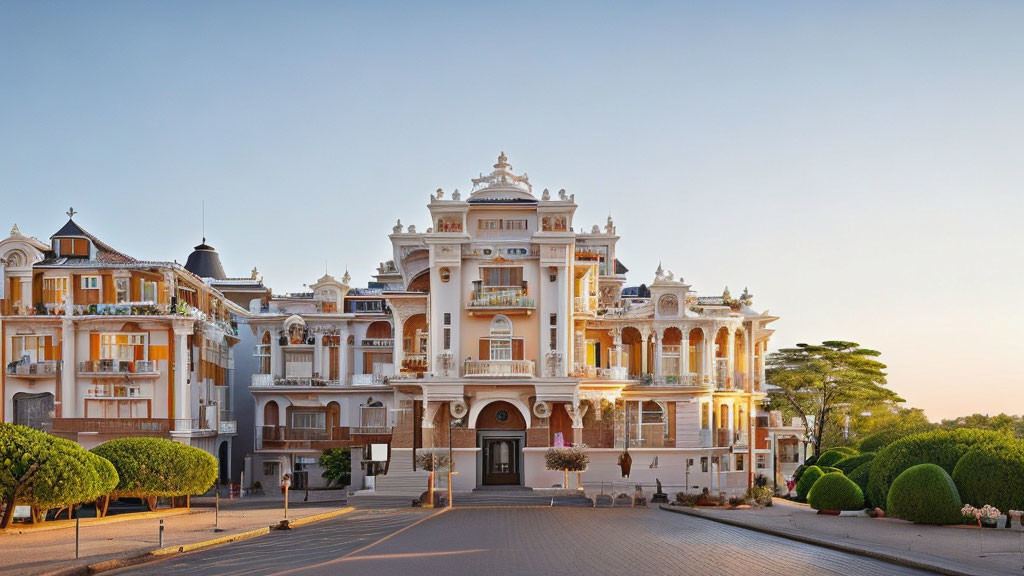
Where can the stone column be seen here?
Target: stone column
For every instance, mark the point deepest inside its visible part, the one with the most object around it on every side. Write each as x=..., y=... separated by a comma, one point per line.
x=750, y=358
x=709, y=357
x=68, y=391
x=181, y=385
x=399, y=352
x=26, y=293
x=731, y=355
x=684, y=351
x=644, y=335
x=318, y=355
x=343, y=350
x=659, y=352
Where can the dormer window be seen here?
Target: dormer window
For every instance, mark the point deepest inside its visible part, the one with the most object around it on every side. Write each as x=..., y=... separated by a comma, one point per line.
x=90, y=282
x=71, y=247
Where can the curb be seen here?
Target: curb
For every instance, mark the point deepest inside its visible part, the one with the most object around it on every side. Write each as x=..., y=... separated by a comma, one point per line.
x=141, y=557
x=66, y=524
x=860, y=551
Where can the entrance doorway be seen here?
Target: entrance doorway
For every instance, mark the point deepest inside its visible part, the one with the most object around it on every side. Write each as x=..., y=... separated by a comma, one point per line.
x=501, y=461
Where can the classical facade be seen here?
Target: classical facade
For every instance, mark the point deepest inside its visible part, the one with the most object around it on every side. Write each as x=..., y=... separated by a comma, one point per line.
x=98, y=344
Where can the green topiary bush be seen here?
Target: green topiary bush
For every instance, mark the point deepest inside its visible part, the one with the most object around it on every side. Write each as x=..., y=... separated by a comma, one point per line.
x=811, y=461
x=943, y=448
x=154, y=467
x=925, y=494
x=44, y=471
x=992, y=475
x=879, y=440
x=833, y=455
x=799, y=472
x=850, y=463
x=859, y=476
x=835, y=492
x=807, y=480
x=830, y=470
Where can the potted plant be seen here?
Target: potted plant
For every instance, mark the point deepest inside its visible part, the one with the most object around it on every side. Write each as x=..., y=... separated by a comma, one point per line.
x=987, y=516
x=569, y=459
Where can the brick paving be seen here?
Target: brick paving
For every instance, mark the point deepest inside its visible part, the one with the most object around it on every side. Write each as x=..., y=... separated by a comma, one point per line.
x=520, y=541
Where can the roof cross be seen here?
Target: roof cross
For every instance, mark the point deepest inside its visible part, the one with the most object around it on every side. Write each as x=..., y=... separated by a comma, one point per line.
x=71, y=212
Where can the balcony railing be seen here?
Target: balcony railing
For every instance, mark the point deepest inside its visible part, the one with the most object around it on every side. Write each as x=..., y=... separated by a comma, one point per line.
x=498, y=368
x=688, y=379
x=369, y=379
x=147, y=426
x=228, y=427
x=262, y=380
x=117, y=367
x=44, y=369
x=378, y=342
x=593, y=373
x=501, y=299
x=584, y=304
x=286, y=438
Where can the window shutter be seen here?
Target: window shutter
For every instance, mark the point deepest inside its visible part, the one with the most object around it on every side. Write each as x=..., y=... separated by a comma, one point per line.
x=94, y=346
x=517, y=349
x=485, y=349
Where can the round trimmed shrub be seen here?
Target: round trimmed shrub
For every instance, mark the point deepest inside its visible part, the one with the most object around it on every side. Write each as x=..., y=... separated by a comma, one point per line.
x=830, y=469
x=835, y=492
x=799, y=472
x=992, y=475
x=812, y=460
x=850, y=463
x=154, y=467
x=925, y=494
x=44, y=471
x=859, y=476
x=807, y=480
x=875, y=442
x=833, y=455
x=943, y=448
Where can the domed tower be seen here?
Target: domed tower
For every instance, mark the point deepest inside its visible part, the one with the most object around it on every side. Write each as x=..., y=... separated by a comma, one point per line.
x=205, y=262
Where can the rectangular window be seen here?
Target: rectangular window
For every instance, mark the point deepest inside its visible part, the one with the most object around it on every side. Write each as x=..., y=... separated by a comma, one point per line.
x=447, y=339
x=501, y=349
x=271, y=469
x=553, y=343
x=760, y=462
x=502, y=276
x=55, y=290
x=514, y=224
x=90, y=282
x=121, y=287
x=147, y=289
x=447, y=318
x=703, y=463
x=488, y=224
x=367, y=306
x=739, y=463
x=124, y=346
x=553, y=320
x=309, y=420
x=37, y=348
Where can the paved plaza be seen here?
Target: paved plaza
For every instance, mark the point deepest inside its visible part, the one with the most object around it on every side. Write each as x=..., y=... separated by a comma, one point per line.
x=519, y=541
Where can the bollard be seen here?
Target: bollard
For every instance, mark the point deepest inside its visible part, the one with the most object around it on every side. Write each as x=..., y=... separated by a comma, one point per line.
x=78, y=525
x=161, y=544
x=216, y=509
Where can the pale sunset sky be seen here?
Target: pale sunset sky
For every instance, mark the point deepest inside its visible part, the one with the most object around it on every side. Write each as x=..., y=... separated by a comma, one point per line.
x=857, y=165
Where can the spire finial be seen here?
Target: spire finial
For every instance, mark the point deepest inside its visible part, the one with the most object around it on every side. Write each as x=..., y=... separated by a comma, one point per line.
x=15, y=231
x=71, y=212
x=204, y=221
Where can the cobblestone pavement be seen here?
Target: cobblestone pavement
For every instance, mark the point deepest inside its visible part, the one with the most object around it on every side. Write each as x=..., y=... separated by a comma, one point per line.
x=554, y=541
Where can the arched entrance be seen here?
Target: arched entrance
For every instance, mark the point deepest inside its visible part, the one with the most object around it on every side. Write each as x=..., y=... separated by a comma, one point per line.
x=501, y=433
x=224, y=459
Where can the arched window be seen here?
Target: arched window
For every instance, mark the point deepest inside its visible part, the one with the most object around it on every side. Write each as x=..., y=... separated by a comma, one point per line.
x=501, y=338
x=271, y=415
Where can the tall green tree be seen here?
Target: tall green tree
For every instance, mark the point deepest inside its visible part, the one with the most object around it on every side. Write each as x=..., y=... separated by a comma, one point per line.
x=825, y=381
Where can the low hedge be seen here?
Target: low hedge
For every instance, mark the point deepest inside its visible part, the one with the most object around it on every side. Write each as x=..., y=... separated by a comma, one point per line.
x=154, y=467
x=835, y=492
x=859, y=476
x=992, y=475
x=850, y=463
x=833, y=455
x=925, y=494
x=943, y=448
x=807, y=480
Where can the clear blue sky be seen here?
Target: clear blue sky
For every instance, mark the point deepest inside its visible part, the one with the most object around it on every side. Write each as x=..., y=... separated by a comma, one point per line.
x=857, y=165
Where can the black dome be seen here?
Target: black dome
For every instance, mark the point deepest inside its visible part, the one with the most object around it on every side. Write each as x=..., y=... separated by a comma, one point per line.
x=205, y=262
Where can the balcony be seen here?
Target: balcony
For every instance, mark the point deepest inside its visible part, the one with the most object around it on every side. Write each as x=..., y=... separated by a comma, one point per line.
x=588, y=372
x=286, y=438
x=228, y=427
x=378, y=342
x=369, y=379
x=498, y=368
x=490, y=300
x=688, y=379
x=34, y=370
x=259, y=380
x=126, y=426
x=268, y=380
x=415, y=362
x=115, y=368
x=730, y=437
x=585, y=304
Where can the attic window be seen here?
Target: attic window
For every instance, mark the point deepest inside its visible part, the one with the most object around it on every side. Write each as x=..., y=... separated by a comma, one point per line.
x=71, y=246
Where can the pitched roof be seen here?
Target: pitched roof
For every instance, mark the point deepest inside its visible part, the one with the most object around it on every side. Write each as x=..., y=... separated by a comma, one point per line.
x=104, y=252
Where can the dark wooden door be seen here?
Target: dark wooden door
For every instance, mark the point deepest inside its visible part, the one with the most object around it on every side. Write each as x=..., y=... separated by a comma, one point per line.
x=501, y=462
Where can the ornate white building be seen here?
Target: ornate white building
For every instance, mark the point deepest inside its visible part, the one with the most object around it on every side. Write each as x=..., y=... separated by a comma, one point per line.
x=502, y=329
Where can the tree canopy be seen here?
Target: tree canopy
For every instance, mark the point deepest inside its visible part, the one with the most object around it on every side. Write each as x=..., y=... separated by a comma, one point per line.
x=154, y=467
x=826, y=381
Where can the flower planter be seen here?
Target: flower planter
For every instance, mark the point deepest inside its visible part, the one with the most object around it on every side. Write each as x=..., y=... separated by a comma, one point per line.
x=830, y=512
x=989, y=523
